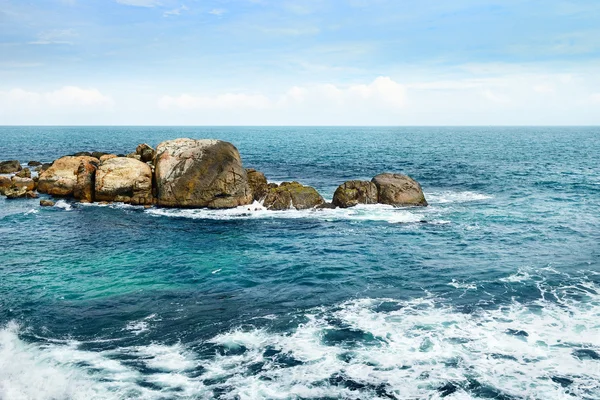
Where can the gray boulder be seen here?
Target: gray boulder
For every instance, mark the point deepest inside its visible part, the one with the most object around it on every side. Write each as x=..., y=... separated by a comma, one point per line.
x=292, y=195
x=351, y=193
x=9, y=167
x=399, y=190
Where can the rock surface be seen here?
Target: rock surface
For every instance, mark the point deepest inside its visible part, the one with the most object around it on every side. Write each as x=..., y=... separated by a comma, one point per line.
x=399, y=190
x=145, y=152
x=34, y=163
x=46, y=203
x=24, y=173
x=27, y=183
x=20, y=192
x=258, y=184
x=84, y=185
x=200, y=173
x=107, y=157
x=60, y=179
x=351, y=193
x=292, y=195
x=5, y=184
x=9, y=167
x=124, y=180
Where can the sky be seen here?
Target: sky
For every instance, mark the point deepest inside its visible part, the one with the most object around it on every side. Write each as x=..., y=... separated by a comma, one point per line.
x=302, y=62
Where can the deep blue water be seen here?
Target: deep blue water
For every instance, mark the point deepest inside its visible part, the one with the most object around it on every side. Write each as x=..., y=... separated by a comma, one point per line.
x=491, y=292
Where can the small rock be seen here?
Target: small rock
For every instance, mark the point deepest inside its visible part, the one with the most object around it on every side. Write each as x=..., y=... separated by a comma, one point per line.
x=20, y=192
x=5, y=184
x=46, y=203
x=9, y=167
x=82, y=153
x=34, y=163
x=98, y=154
x=145, y=152
x=292, y=195
x=45, y=166
x=27, y=183
x=258, y=184
x=134, y=156
x=24, y=173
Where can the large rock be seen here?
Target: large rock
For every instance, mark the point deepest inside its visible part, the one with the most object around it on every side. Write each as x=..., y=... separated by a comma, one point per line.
x=200, y=173
x=125, y=180
x=24, y=173
x=5, y=184
x=107, y=157
x=20, y=193
x=351, y=193
x=9, y=167
x=27, y=183
x=60, y=179
x=145, y=152
x=84, y=185
x=292, y=195
x=258, y=184
x=399, y=190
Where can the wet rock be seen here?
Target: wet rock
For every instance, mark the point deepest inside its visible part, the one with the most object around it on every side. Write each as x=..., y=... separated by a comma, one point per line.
x=399, y=190
x=46, y=203
x=326, y=206
x=351, y=193
x=9, y=167
x=34, y=163
x=60, y=179
x=258, y=184
x=124, y=180
x=292, y=195
x=200, y=173
x=145, y=152
x=24, y=173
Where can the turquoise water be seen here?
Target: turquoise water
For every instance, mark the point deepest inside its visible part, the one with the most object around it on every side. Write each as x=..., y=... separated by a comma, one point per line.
x=491, y=292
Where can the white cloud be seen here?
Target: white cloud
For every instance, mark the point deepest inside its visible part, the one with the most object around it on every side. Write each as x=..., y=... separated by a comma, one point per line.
x=176, y=11
x=223, y=101
x=217, y=11
x=68, y=97
x=139, y=3
x=56, y=36
x=595, y=97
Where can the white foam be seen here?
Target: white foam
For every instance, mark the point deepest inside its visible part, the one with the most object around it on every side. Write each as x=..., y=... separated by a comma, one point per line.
x=462, y=285
x=63, y=204
x=140, y=326
x=375, y=212
x=455, y=197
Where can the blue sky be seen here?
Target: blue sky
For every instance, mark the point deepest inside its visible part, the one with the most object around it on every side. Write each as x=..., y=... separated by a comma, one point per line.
x=304, y=62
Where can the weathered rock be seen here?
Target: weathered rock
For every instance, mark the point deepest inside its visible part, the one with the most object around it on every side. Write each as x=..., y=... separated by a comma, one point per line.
x=84, y=185
x=258, y=184
x=145, y=152
x=34, y=163
x=45, y=166
x=351, y=193
x=326, y=206
x=124, y=180
x=46, y=203
x=107, y=157
x=399, y=190
x=200, y=173
x=24, y=173
x=27, y=183
x=5, y=184
x=98, y=154
x=135, y=156
x=82, y=153
x=60, y=179
x=20, y=192
x=9, y=167
x=292, y=195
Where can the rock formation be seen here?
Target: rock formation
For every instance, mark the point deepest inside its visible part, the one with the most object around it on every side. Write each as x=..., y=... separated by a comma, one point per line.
x=351, y=193
x=292, y=195
x=399, y=190
x=60, y=179
x=200, y=173
x=124, y=180
x=9, y=167
x=145, y=152
x=258, y=184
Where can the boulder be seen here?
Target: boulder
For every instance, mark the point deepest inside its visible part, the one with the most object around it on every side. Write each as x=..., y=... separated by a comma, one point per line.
x=45, y=166
x=258, y=184
x=292, y=195
x=399, y=190
x=200, y=173
x=34, y=163
x=124, y=180
x=98, y=154
x=60, y=179
x=145, y=152
x=27, y=183
x=5, y=184
x=9, y=167
x=24, y=173
x=135, y=156
x=46, y=203
x=351, y=193
x=20, y=193
x=107, y=157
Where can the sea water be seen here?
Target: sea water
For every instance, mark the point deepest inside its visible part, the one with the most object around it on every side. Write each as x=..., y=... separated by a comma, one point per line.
x=491, y=292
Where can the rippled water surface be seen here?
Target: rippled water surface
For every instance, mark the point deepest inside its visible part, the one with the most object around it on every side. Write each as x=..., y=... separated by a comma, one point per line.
x=492, y=292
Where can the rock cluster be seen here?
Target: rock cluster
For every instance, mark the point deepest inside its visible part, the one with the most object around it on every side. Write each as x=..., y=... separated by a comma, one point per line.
x=190, y=173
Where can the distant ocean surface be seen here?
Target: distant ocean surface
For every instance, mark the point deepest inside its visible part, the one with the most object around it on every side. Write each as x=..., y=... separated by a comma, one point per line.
x=491, y=292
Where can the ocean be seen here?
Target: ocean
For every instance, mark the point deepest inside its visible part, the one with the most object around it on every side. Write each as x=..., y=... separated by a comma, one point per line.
x=491, y=292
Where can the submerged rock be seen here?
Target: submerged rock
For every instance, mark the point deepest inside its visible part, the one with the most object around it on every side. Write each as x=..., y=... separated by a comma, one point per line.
x=258, y=184
x=60, y=179
x=145, y=152
x=9, y=167
x=200, y=173
x=46, y=203
x=399, y=190
x=292, y=195
x=124, y=180
x=352, y=193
